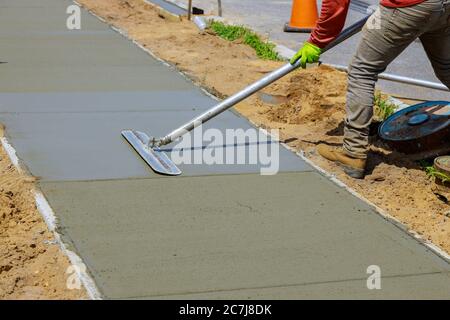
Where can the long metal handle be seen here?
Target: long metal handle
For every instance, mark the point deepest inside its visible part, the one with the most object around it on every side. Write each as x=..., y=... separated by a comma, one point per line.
x=250, y=90
x=400, y=79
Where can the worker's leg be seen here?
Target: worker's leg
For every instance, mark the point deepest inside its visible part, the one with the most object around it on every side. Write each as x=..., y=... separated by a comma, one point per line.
x=381, y=43
x=437, y=46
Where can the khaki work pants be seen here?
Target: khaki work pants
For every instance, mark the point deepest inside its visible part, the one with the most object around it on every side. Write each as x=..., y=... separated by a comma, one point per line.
x=387, y=33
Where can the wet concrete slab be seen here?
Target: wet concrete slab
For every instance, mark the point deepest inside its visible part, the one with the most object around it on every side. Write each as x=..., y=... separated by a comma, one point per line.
x=44, y=15
x=396, y=288
x=39, y=54
x=65, y=99
x=152, y=99
x=63, y=74
x=31, y=4
x=239, y=235
x=87, y=45
x=101, y=78
x=83, y=64
x=217, y=231
x=73, y=48
x=88, y=145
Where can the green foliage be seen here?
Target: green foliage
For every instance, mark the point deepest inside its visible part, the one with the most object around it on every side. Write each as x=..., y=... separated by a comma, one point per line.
x=433, y=173
x=227, y=32
x=264, y=49
x=383, y=108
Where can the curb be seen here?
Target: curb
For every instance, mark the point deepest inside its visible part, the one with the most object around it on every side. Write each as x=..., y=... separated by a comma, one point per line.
x=166, y=13
x=50, y=220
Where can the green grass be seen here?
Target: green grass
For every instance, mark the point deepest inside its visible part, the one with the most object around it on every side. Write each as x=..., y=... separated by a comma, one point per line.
x=383, y=108
x=433, y=173
x=264, y=49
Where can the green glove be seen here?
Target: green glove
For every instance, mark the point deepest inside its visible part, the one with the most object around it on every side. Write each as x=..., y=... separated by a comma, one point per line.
x=308, y=53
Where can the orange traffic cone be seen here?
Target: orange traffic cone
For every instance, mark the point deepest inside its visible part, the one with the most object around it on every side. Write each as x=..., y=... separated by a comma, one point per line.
x=304, y=16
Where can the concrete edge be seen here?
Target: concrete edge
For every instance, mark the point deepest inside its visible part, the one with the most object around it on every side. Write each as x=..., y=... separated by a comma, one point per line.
x=165, y=13
x=11, y=152
x=50, y=220
x=285, y=52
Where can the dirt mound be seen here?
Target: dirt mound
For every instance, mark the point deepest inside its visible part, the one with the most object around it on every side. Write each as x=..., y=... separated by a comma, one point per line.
x=31, y=265
x=312, y=95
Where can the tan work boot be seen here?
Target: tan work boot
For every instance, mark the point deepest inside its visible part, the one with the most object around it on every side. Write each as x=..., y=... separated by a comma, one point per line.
x=354, y=167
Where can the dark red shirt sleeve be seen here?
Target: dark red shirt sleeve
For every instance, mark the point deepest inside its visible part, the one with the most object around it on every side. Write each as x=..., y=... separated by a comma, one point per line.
x=331, y=22
x=400, y=3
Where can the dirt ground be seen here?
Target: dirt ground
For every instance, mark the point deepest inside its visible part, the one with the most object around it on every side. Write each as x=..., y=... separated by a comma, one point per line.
x=312, y=110
x=31, y=265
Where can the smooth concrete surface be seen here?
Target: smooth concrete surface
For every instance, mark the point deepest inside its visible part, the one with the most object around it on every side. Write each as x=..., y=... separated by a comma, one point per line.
x=101, y=101
x=65, y=97
x=217, y=232
x=397, y=288
x=237, y=233
x=47, y=57
x=22, y=15
x=88, y=145
x=269, y=16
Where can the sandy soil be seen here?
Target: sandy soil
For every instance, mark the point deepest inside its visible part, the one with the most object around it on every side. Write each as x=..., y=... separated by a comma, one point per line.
x=31, y=265
x=312, y=111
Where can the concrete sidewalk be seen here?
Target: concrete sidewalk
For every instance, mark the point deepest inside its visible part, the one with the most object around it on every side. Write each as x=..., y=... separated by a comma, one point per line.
x=215, y=232
x=269, y=16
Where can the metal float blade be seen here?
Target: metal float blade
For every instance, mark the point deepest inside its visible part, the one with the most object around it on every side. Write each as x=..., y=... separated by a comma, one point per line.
x=154, y=157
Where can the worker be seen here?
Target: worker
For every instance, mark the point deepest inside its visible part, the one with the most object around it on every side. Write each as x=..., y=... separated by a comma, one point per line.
x=398, y=23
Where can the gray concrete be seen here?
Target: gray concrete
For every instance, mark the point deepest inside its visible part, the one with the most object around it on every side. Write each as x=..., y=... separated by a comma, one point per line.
x=216, y=232
x=93, y=62
x=88, y=145
x=393, y=288
x=66, y=96
x=269, y=16
x=237, y=234
x=100, y=101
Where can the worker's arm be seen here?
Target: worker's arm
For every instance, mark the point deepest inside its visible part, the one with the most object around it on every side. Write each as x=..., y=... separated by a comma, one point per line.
x=331, y=22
